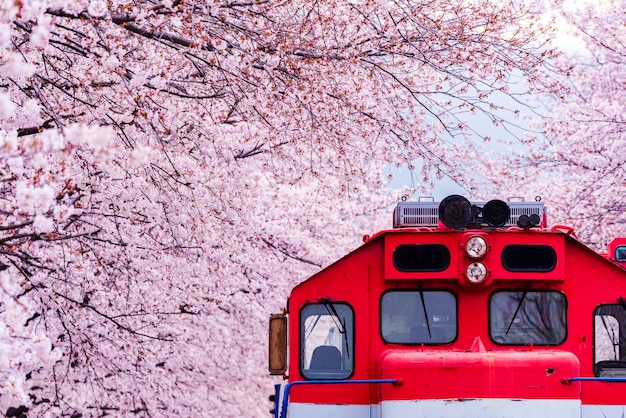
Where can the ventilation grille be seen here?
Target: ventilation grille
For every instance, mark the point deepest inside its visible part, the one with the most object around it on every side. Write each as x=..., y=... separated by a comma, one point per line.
x=426, y=214
x=414, y=214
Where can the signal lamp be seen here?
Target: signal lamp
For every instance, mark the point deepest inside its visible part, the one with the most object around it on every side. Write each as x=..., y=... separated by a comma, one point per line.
x=525, y=221
x=534, y=219
x=476, y=247
x=496, y=213
x=476, y=272
x=455, y=211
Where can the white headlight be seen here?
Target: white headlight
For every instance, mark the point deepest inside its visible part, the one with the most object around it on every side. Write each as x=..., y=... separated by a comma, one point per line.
x=476, y=247
x=476, y=272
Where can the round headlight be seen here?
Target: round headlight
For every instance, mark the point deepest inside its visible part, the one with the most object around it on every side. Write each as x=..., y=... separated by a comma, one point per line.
x=476, y=247
x=476, y=273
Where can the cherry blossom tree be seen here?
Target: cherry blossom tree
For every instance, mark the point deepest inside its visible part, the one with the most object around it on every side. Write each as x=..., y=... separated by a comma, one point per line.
x=171, y=169
x=577, y=162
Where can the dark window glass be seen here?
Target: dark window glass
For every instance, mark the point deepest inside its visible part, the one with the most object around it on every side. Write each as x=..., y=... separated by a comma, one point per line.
x=540, y=258
x=423, y=257
x=525, y=317
x=610, y=340
x=418, y=317
x=327, y=341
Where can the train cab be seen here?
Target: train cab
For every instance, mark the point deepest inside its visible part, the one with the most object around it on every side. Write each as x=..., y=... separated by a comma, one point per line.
x=460, y=310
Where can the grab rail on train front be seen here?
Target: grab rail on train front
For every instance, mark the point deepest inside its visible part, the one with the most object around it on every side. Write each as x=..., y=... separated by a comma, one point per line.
x=288, y=386
x=594, y=379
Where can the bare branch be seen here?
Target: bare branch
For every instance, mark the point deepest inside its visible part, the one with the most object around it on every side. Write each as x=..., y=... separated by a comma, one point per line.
x=283, y=250
x=257, y=149
x=112, y=319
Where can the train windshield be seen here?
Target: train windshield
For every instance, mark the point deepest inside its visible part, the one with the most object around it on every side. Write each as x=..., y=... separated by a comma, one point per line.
x=528, y=317
x=418, y=317
x=326, y=340
x=610, y=340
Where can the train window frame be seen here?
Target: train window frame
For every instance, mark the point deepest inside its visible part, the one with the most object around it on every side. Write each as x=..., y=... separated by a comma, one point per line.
x=434, y=268
x=497, y=339
x=515, y=269
x=615, y=367
x=412, y=340
x=347, y=350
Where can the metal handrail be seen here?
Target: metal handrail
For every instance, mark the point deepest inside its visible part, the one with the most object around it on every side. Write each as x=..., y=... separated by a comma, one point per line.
x=283, y=411
x=596, y=379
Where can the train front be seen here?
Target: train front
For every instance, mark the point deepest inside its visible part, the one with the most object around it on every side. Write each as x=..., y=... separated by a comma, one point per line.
x=462, y=310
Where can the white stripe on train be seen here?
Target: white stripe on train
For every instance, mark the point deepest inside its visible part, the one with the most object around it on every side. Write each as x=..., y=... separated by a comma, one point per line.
x=468, y=408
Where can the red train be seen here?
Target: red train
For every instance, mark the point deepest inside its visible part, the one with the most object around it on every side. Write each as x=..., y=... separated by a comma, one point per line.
x=461, y=310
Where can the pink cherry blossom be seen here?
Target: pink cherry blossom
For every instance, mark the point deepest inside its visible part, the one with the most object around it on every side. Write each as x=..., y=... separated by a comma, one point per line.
x=7, y=107
x=170, y=170
x=97, y=8
x=577, y=163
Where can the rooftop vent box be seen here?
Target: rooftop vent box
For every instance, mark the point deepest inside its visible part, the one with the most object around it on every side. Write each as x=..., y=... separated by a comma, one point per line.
x=426, y=213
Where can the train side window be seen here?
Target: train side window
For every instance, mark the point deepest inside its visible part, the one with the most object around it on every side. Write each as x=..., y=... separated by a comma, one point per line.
x=528, y=317
x=418, y=317
x=326, y=340
x=610, y=340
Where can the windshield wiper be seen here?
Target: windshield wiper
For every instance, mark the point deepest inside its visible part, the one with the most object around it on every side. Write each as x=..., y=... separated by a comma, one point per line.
x=425, y=313
x=519, y=305
x=341, y=326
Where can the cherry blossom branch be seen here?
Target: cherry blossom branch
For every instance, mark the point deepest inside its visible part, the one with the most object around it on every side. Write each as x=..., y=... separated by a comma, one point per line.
x=283, y=250
x=111, y=318
x=39, y=236
x=35, y=129
x=257, y=149
x=155, y=35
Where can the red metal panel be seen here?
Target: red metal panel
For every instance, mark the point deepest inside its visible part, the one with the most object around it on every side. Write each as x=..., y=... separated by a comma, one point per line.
x=395, y=238
x=459, y=260
x=552, y=239
x=480, y=374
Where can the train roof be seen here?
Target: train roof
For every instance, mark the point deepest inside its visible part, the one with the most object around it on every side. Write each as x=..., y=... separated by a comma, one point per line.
x=456, y=216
